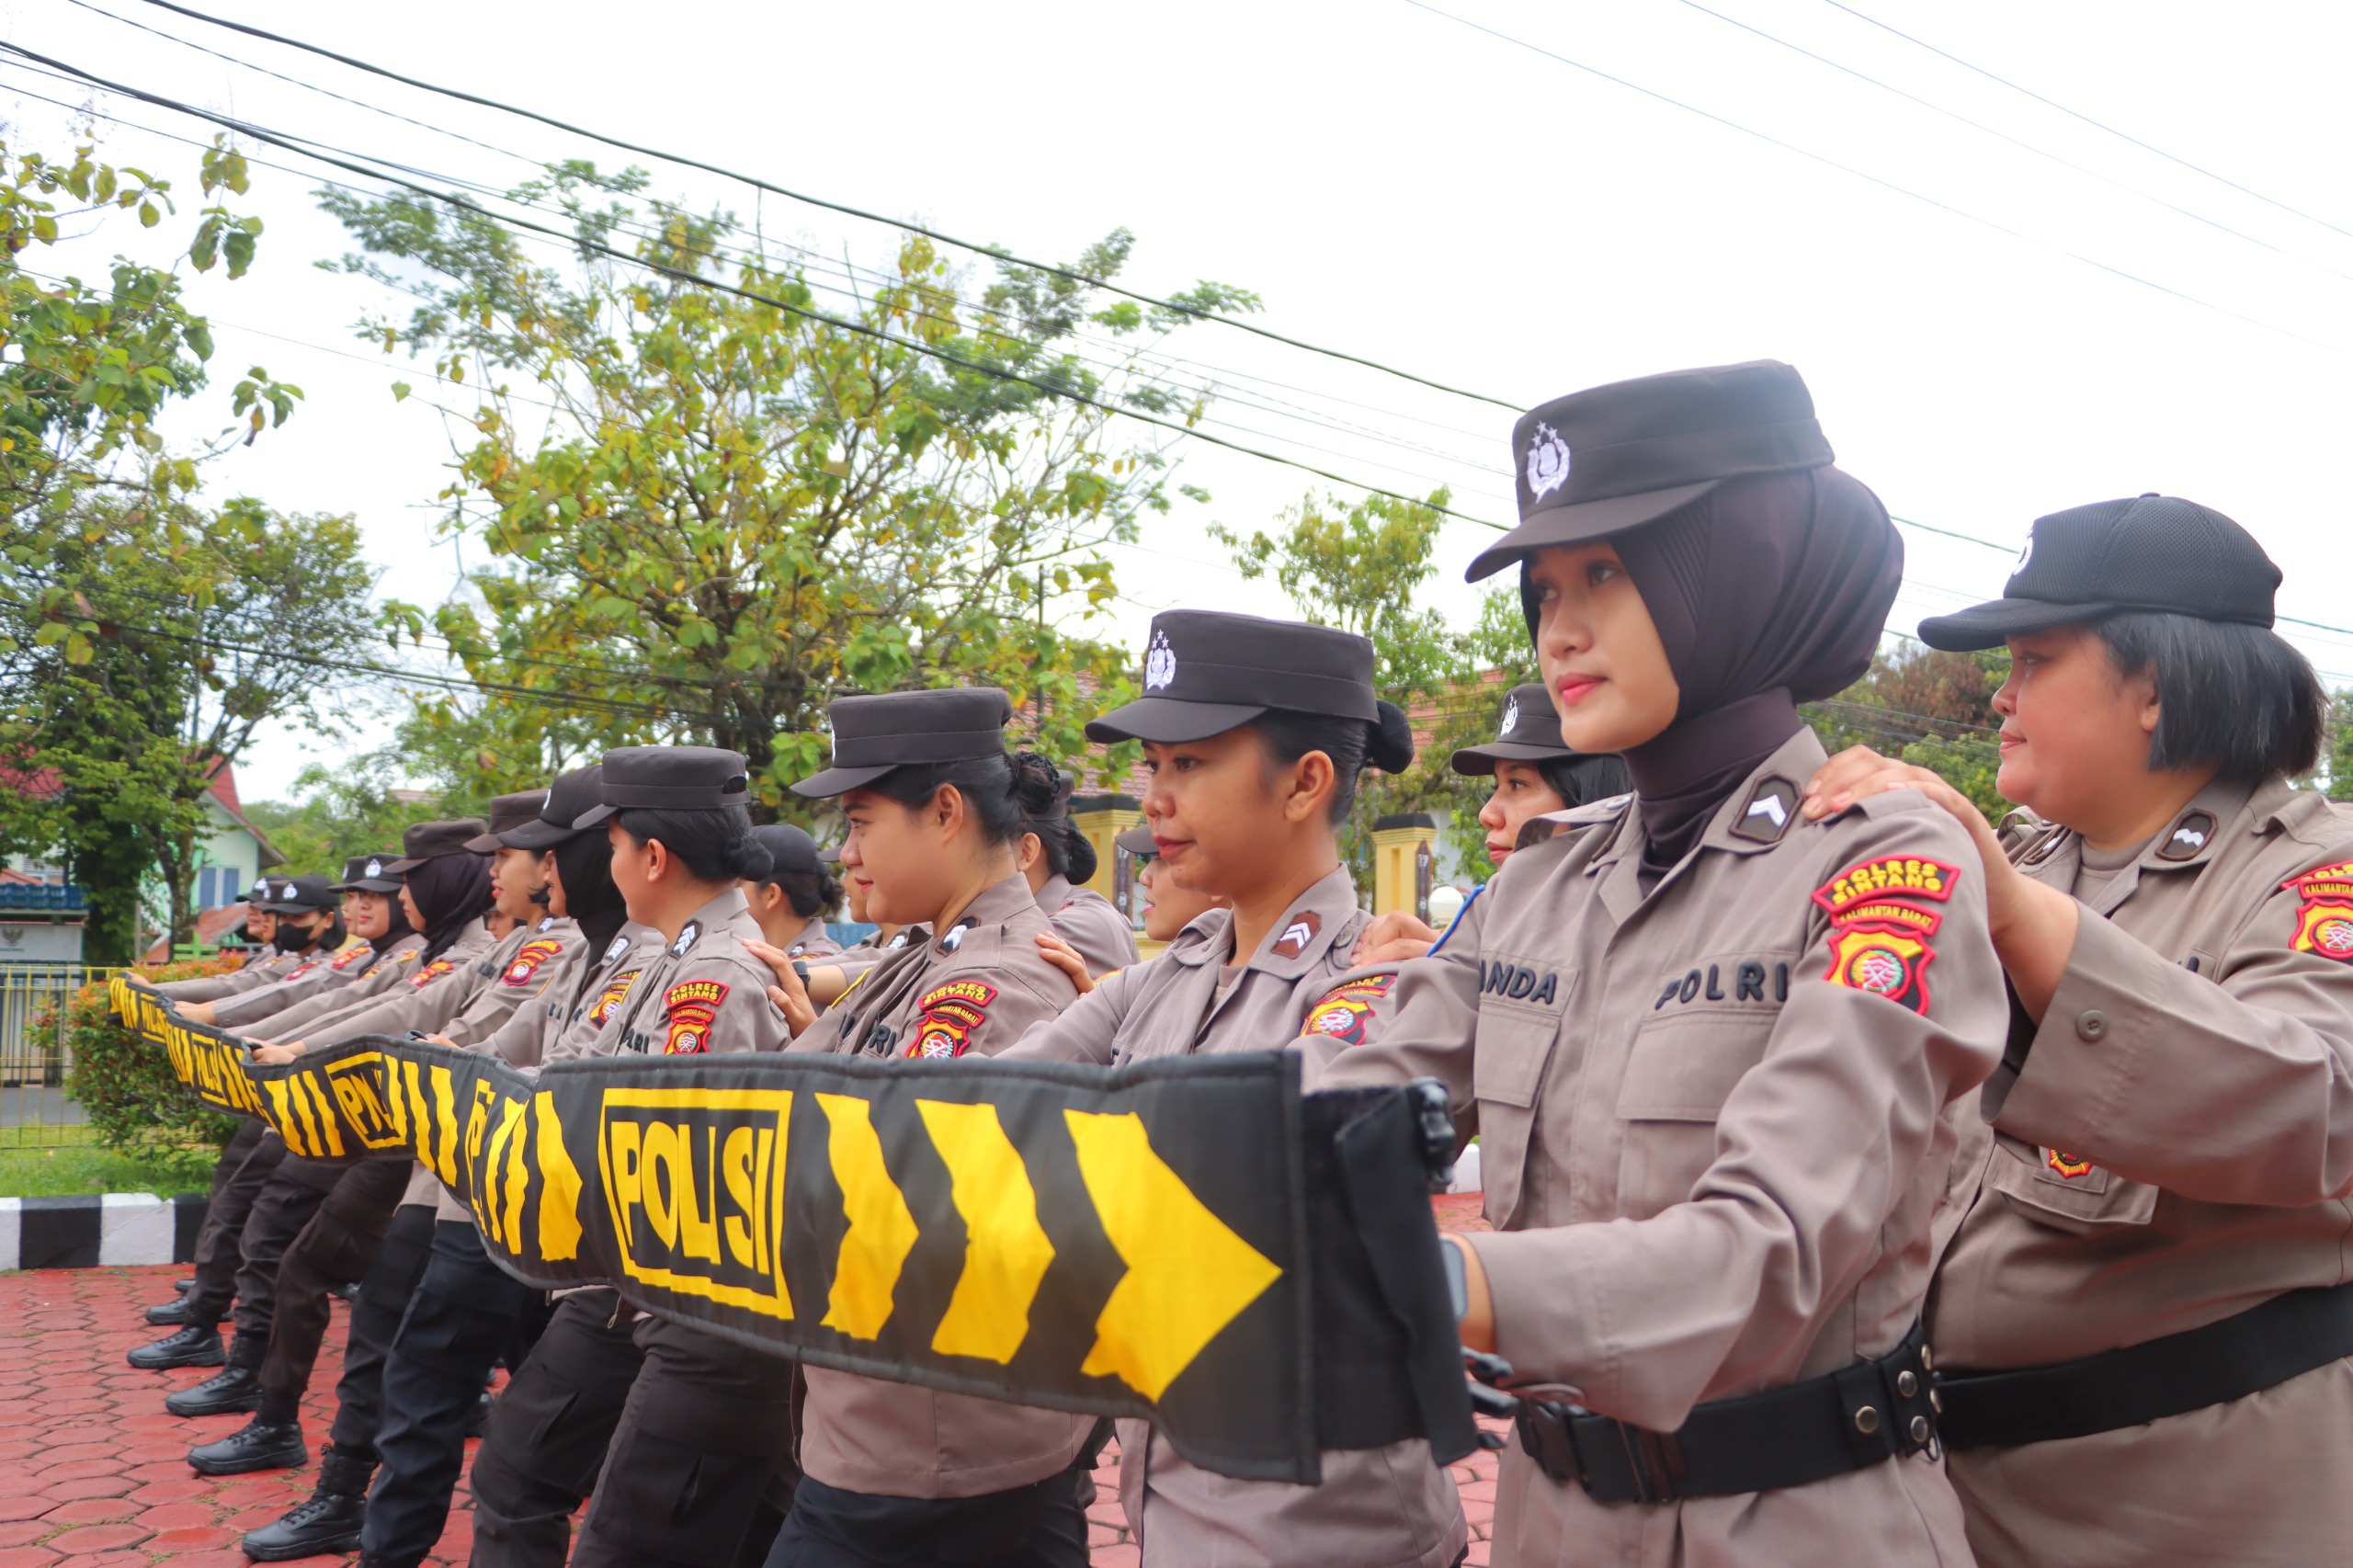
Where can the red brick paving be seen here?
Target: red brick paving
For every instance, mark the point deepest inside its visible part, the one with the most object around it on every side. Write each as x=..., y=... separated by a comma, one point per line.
x=93, y=1470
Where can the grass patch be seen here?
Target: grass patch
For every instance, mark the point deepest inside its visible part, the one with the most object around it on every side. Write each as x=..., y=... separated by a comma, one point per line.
x=61, y=1172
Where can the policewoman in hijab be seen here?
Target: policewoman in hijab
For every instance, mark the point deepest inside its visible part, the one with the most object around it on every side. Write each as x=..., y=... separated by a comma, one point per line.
x=1255, y=733
x=2142, y=1321
x=935, y=809
x=327, y=951
x=1057, y=858
x=793, y=901
x=1536, y=775
x=1708, y=1046
x=703, y=1417
x=264, y=961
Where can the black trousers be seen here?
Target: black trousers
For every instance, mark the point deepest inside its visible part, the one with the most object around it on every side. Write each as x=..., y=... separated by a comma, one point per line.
x=338, y=1247
x=548, y=1434
x=384, y=1293
x=464, y=1310
x=692, y=1478
x=1038, y=1526
x=286, y=1203
x=246, y=1165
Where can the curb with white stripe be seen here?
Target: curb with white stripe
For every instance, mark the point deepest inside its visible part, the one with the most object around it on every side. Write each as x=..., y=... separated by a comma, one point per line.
x=110, y=1230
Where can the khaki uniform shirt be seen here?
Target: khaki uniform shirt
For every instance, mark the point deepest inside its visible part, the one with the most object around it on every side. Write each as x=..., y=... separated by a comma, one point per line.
x=812, y=941
x=258, y=970
x=2176, y=1148
x=703, y=992
x=1376, y=1507
x=465, y=1004
x=1713, y=1134
x=1090, y=923
x=381, y=981
x=972, y=991
x=353, y=964
x=872, y=948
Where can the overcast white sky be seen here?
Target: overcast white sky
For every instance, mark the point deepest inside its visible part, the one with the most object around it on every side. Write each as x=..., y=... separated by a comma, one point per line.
x=1402, y=185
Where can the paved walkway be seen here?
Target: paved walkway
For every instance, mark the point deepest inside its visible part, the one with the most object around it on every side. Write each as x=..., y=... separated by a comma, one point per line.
x=94, y=1474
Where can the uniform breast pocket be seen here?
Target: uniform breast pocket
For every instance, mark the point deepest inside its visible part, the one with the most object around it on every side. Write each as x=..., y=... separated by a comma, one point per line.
x=1681, y=1070
x=1515, y=1047
x=2054, y=1188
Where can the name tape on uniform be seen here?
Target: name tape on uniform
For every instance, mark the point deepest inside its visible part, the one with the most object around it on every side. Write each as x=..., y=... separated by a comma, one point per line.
x=1175, y=1240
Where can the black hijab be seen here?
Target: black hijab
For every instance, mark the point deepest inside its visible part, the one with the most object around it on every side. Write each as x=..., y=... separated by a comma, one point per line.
x=1768, y=592
x=398, y=928
x=592, y=900
x=450, y=891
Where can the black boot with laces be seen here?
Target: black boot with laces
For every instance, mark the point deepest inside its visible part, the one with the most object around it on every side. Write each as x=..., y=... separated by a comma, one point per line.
x=271, y=1440
x=329, y=1520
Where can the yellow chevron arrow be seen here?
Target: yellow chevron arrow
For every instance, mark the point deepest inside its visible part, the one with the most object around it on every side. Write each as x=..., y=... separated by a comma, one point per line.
x=882, y=1231
x=1005, y=1250
x=1189, y=1275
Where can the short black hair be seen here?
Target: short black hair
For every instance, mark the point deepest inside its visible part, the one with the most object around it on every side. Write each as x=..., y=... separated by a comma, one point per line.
x=1579, y=778
x=715, y=845
x=2236, y=697
x=1353, y=744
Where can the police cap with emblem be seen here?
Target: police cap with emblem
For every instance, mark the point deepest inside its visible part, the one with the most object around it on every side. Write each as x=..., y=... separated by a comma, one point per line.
x=668, y=779
x=901, y=729
x=371, y=874
x=1530, y=732
x=302, y=895
x=1205, y=672
x=430, y=840
x=506, y=814
x=572, y=795
x=2153, y=553
x=1608, y=459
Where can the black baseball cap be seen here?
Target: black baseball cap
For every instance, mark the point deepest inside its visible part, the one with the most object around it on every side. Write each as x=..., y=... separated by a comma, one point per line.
x=571, y=796
x=898, y=729
x=506, y=814
x=371, y=874
x=430, y=840
x=1529, y=732
x=2152, y=552
x=1138, y=840
x=301, y=896
x=1612, y=457
x=1206, y=671
x=789, y=848
x=668, y=779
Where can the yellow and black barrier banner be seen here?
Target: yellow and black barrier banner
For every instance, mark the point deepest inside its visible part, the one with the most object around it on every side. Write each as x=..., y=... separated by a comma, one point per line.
x=1190, y=1241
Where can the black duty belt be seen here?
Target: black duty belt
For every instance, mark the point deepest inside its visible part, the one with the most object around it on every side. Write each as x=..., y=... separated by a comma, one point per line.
x=1809, y=1431
x=2259, y=1348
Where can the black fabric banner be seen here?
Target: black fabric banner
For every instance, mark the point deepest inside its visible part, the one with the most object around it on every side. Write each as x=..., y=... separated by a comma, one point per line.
x=1187, y=1240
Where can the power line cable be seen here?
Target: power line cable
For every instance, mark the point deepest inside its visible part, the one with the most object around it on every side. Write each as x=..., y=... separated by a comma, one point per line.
x=2076, y=114
x=757, y=183
x=299, y=146
x=1849, y=169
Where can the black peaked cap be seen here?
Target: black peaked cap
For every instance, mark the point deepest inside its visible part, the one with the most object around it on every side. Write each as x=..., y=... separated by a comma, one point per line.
x=430, y=840
x=1138, y=840
x=669, y=778
x=789, y=848
x=570, y=797
x=900, y=729
x=1608, y=459
x=506, y=814
x=303, y=895
x=2150, y=553
x=1529, y=731
x=371, y=874
x=1206, y=671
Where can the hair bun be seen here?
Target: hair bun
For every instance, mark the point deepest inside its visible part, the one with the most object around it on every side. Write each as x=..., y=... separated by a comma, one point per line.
x=1082, y=859
x=1036, y=783
x=748, y=857
x=1389, y=740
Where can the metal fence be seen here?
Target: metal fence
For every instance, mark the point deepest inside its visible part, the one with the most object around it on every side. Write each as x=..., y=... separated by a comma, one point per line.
x=33, y=1105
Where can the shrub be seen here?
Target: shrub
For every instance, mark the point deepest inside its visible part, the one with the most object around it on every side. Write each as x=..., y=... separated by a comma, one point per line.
x=135, y=1103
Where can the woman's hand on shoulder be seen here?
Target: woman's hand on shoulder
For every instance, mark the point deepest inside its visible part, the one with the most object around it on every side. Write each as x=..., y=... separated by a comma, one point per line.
x=790, y=997
x=1064, y=956
x=1394, y=937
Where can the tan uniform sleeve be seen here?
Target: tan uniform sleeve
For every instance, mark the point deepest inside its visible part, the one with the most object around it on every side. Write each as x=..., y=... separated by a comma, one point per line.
x=1092, y=924
x=1423, y=1027
x=1087, y=1030
x=282, y=997
x=2231, y=1087
x=711, y=1002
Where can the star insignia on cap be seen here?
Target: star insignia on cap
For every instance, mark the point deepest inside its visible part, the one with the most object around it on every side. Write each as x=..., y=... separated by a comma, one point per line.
x=1548, y=462
x=2025, y=555
x=1159, y=662
x=375, y=868
x=1511, y=715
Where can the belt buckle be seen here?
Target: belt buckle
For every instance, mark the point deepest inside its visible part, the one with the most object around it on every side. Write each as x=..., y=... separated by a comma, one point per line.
x=1654, y=1459
x=1544, y=1434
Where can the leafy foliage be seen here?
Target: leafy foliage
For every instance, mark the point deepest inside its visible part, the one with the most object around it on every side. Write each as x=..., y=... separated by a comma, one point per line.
x=1934, y=709
x=135, y=1103
x=730, y=510
x=353, y=808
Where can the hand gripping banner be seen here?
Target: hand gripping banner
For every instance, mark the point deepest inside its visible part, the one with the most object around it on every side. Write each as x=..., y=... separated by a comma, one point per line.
x=1191, y=1240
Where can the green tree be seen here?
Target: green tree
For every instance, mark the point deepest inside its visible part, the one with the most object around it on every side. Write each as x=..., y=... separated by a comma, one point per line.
x=1930, y=708
x=708, y=514
x=356, y=807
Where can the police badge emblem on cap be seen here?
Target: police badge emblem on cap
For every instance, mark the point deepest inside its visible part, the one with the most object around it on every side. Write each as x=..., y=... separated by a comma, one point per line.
x=1547, y=464
x=1159, y=664
x=375, y=868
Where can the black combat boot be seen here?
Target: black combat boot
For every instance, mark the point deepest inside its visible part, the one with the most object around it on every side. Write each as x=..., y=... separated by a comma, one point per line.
x=195, y=1345
x=182, y=1286
x=236, y=1387
x=271, y=1440
x=329, y=1521
x=170, y=1314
